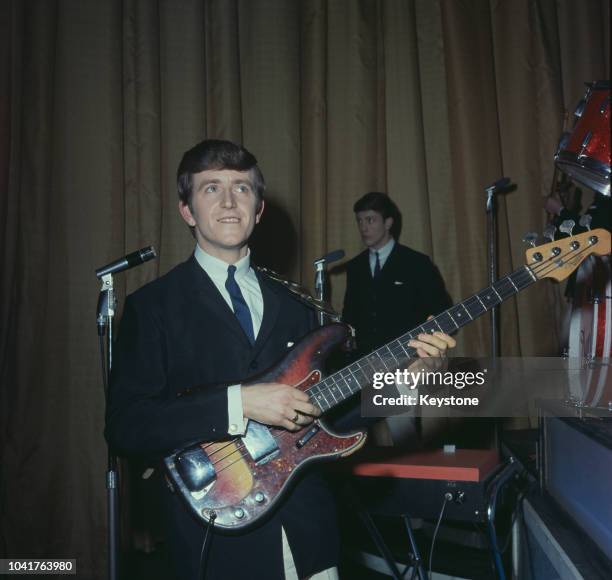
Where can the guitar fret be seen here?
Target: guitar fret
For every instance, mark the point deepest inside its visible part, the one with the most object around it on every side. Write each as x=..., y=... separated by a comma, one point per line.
x=505, y=288
x=349, y=380
x=530, y=272
x=331, y=389
x=399, y=343
x=468, y=312
x=483, y=304
x=500, y=298
x=454, y=321
x=511, y=282
x=474, y=305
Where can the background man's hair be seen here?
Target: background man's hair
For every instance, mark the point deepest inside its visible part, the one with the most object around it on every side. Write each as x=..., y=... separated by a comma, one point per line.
x=382, y=204
x=216, y=154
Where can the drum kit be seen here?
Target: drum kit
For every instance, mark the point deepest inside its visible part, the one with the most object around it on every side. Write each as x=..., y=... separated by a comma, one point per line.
x=584, y=156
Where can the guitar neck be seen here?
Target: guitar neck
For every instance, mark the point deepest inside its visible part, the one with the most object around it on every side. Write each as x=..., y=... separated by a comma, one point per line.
x=344, y=383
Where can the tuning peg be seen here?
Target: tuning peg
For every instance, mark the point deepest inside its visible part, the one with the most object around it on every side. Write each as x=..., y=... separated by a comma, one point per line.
x=530, y=239
x=567, y=226
x=585, y=221
x=549, y=232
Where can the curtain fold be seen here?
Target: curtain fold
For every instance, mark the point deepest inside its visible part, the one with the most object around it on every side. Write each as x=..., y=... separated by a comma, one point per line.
x=430, y=100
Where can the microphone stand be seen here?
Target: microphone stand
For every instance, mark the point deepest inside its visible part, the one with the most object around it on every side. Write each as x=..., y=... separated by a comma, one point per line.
x=498, y=187
x=107, y=303
x=501, y=186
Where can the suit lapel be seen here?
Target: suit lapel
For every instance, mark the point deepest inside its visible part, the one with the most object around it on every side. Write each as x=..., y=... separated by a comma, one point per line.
x=364, y=266
x=271, y=309
x=390, y=267
x=210, y=298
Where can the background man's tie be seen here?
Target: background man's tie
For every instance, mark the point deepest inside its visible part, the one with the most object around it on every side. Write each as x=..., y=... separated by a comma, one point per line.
x=377, y=267
x=241, y=310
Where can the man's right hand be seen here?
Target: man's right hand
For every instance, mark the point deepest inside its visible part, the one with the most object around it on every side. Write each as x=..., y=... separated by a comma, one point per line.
x=278, y=405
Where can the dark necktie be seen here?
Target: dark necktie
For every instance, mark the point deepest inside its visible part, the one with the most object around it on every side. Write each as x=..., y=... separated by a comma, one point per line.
x=241, y=310
x=377, y=267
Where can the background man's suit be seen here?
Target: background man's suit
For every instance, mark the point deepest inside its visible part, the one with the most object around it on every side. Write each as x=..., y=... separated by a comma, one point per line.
x=408, y=289
x=178, y=332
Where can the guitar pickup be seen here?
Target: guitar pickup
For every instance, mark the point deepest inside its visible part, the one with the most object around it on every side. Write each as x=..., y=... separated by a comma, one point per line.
x=259, y=442
x=307, y=437
x=195, y=468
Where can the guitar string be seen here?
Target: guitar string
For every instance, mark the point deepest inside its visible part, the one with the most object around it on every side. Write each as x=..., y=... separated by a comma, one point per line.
x=551, y=263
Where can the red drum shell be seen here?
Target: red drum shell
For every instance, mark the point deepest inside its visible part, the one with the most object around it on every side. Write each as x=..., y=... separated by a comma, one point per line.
x=584, y=153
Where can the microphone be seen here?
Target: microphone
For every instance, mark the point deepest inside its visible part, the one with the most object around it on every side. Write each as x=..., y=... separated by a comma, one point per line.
x=127, y=262
x=331, y=257
x=499, y=185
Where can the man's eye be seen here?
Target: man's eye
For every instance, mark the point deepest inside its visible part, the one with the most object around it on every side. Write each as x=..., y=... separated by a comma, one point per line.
x=243, y=188
x=211, y=189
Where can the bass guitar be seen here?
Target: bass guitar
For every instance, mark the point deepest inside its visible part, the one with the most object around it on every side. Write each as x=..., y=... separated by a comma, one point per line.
x=237, y=481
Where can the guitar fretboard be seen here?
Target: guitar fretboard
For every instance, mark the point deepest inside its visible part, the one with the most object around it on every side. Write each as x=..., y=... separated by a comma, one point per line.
x=344, y=383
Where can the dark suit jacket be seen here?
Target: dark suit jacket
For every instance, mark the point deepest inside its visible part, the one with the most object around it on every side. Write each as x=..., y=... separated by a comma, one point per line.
x=407, y=291
x=178, y=332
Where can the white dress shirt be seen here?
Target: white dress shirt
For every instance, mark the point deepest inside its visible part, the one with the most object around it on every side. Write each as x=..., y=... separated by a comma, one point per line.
x=249, y=286
x=383, y=254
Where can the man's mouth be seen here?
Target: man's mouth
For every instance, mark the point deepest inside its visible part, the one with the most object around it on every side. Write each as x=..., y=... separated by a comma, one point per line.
x=229, y=220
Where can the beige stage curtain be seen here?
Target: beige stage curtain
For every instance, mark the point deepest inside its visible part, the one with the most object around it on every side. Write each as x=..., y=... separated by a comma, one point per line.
x=429, y=100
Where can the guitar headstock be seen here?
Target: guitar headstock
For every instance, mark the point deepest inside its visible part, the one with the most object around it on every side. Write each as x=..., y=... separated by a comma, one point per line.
x=560, y=258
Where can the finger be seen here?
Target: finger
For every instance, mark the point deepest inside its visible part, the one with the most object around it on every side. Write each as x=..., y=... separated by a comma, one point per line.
x=303, y=420
x=433, y=339
x=307, y=409
x=300, y=395
x=290, y=425
x=449, y=340
x=425, y=349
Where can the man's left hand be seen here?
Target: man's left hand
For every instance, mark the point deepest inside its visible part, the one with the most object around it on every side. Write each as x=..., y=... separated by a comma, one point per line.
x=436, y=344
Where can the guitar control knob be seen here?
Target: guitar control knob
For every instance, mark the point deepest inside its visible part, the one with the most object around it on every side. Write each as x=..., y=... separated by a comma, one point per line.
x=239, y=513
x=259, y=497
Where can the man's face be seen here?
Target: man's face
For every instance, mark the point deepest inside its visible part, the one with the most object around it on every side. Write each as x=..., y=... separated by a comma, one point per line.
x=375, y=231
x=224, y=211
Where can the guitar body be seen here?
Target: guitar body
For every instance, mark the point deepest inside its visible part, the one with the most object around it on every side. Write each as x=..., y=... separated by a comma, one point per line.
x=241, y=479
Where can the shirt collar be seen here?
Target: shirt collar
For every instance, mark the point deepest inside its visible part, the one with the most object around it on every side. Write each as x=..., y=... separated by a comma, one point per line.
x=217, y=269
x=383, y=253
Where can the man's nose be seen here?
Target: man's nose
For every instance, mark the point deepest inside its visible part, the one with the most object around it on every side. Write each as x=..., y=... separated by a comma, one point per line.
x=229, y=200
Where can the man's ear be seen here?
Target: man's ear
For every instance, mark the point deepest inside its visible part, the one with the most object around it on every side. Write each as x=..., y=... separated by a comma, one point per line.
x=186, y=214
x=388, y=223
x=260, y=211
